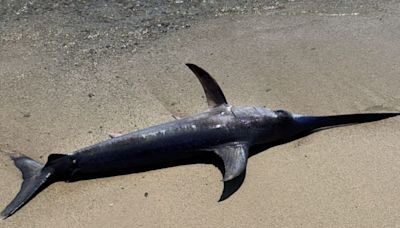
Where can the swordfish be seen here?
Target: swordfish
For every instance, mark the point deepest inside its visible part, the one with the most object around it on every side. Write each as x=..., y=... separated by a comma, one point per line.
x=228, y=131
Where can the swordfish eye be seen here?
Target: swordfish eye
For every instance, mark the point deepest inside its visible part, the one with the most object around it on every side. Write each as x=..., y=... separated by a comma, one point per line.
x=284, y=115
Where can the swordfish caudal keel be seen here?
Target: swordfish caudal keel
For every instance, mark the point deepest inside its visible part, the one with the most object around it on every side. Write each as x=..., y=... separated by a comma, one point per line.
x=227, y=131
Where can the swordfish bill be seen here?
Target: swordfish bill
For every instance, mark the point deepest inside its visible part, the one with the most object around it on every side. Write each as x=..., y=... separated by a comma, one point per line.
x=228, y=131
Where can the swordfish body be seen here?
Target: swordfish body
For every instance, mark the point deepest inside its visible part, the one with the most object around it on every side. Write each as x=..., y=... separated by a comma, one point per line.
x=172, y=141
x=226, y=130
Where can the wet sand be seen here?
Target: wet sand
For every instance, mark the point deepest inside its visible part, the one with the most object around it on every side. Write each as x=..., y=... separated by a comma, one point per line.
x=305, y=63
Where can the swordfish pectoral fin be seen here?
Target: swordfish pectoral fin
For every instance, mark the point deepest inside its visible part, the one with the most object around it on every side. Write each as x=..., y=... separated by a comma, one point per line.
x=234, y=156
x=215, y=96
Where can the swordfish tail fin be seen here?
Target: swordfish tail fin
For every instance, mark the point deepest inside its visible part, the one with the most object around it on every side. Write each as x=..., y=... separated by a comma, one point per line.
x=35, y=178
x=316, y=122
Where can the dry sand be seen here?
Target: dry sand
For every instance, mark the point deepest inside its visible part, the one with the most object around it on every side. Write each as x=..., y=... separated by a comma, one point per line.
x=315, y=64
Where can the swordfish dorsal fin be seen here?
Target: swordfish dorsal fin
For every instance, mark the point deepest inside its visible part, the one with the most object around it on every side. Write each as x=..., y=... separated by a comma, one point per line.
x=214, y=94
x=234, y=156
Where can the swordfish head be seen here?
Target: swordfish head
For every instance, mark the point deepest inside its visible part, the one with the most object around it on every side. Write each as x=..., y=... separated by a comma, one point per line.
x=274, y=126
x=264, y=126
x=259, y=125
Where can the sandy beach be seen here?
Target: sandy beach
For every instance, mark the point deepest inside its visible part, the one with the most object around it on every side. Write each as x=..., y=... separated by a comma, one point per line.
x=291, y=57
